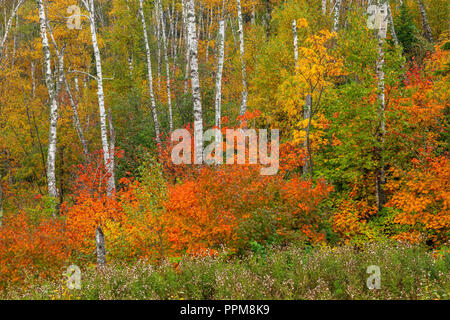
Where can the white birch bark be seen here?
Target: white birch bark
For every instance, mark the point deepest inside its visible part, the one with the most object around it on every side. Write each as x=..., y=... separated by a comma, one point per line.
x=221, y=58
x=381, y=132
x=195, y=82
x=324, y=7
x=166, y=60
x=149, y=74
x=337, y=15
x=426, y=25
x=108, y=154
x=294, y=32
x=242, y=56
x=8, y=27
x=52, y=138
x=391, y=23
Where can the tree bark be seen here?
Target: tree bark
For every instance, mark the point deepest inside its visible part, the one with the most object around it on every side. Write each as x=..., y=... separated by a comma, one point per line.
x=108, y=154
x=149, y=74
x=294, y=32
x=337, y=15
x=52, y=139
x=166, y=60
x=426, y=26
x=195, y=83
x=8, y=27
x=242, y=56
x=221, y=58
x=380, y=175
x=391, y=23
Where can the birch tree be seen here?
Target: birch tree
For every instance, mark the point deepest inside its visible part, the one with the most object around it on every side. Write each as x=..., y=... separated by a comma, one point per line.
x=242, y=55
x=160, y=15
x=426, y=25
x=149, y=74
x=8, y=26
x=380, y=175
x=337, y=15
x=52, y=138
x=108, y=154
x=195, y=82
x=221, y=57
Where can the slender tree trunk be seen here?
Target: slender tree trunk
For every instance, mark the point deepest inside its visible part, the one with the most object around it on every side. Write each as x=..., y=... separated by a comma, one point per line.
x=76, y=120
x=107, y=153
x=195, y=83
x=294, y=32
x=221, y=58
x=380, y=176
x=391, y=23
x=425, y=23
x=52, y=139
x=100, y=247
x=324, y=7
x=337, y=15
x=307, y=115
x=8, y=27
x=149, y=74
x=188, y=62
x=166, y=60
x=242, y=55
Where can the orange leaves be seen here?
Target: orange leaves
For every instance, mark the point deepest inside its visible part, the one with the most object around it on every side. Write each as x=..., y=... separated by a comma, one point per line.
x=423, y=198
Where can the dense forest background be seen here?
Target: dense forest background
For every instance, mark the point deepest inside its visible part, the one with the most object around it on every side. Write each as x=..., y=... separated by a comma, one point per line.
x=88, y=103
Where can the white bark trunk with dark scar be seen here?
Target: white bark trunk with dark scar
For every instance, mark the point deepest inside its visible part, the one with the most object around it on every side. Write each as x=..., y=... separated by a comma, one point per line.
x=324, y=7
x=149, y=74
x=100, y=246
x=425, y=23
x=294, y=32
x=166, y=60
x=195, y=82
x=107, y=153
x=51, y=154
x=221, y=58
x=337, y=15
x=242, y=55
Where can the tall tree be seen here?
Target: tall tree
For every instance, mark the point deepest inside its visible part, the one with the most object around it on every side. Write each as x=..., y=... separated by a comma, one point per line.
x=149, y=73
x=195, y=82
x=426, y=25
x=52, y=139
x=221, y=57
x=242, y=56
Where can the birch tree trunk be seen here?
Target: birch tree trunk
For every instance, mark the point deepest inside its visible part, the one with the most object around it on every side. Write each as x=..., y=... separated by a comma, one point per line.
x=52, y=138
x=380, y=175
x=8, y=27
x=391, y=23
x=195, y=82
x=242, y=55
x=337, y=15
x=166, y=60
x=324, y=7
x=221, y=58
x=108, y=154
x=149, y=74
x=294, y=32
x=188, y=60
x=426, y=26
